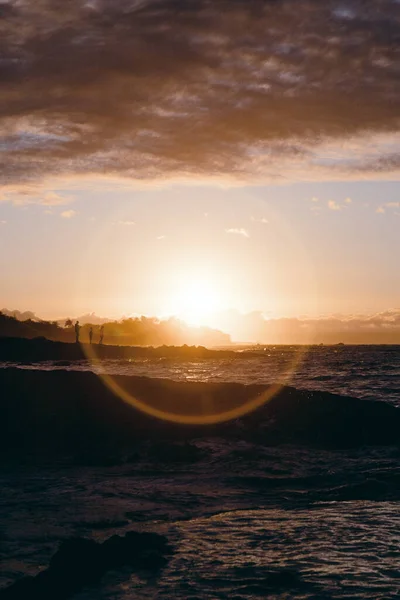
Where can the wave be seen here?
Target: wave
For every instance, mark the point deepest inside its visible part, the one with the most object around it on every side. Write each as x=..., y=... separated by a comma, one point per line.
x=61, y=412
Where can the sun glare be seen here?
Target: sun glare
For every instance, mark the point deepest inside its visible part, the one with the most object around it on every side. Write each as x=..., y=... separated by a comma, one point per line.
x=195, y=301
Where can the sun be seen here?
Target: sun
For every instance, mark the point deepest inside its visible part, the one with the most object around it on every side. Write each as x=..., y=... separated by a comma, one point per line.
x=195, y=300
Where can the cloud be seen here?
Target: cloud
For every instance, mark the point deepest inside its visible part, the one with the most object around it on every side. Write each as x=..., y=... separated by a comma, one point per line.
x=128, y=223
x=262, y=220
x=236, y=231
x=154, y=89
x=161, y=237
x=382, y=209
x=382, y=327
x=316, y=208
x=3, y=222
x=53, y=199
x=23, y=195
x=68, y=214
x=332, y=205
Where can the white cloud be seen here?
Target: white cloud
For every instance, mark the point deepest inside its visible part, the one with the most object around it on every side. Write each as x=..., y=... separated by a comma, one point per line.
x=380, y=210
x=68, y=214
x=128, y=223
x=161, y=237
x=3, y=222
x=332, y=205
x=238, y=231
x=262, y=220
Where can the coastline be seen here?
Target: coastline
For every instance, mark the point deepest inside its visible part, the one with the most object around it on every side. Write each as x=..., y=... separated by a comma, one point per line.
x=40, y=349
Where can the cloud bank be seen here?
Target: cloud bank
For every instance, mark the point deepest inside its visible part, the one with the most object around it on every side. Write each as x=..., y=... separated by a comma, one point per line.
x=163, y=88
x=378, y=328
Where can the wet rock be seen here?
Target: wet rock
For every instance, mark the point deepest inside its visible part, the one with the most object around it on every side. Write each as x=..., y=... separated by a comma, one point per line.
x=80, y=562
x=79, y=557
x=138, y=549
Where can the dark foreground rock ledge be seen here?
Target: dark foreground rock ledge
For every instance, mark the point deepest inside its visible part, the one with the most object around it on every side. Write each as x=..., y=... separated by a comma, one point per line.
x=80, y=562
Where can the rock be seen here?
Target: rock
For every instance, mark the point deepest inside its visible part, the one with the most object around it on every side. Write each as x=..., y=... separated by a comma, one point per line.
x=138, y=549
x=80, y=562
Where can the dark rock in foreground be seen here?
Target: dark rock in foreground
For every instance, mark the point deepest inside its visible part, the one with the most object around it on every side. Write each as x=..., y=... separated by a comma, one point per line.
x=80, y=562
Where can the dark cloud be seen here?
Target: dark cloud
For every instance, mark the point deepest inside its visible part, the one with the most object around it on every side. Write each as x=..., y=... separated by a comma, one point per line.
x=152, y=88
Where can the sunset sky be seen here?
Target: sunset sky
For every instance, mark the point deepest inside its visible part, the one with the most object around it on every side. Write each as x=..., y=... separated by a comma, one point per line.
x=193, y=158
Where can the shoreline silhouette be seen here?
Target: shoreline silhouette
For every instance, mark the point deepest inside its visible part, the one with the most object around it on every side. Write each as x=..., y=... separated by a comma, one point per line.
x=40, y=348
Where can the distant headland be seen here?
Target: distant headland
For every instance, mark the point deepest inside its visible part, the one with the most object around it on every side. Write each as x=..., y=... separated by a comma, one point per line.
x=138, y=331
x=41, y=349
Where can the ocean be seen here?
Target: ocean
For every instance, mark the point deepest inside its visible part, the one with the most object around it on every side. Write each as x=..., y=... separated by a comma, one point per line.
x=368, y=372
x=246, y=516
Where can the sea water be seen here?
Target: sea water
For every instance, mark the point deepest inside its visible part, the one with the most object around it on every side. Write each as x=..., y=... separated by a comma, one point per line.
x=369, y=372
x=246, y=521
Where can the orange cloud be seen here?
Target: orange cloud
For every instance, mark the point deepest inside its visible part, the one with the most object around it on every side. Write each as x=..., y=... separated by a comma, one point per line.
x=68, y=214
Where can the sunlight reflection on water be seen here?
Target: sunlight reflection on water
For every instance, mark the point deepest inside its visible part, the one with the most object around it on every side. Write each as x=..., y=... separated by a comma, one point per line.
x=370, y=372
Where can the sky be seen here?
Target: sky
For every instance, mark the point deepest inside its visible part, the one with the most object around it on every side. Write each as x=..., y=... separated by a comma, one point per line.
x=234, y=163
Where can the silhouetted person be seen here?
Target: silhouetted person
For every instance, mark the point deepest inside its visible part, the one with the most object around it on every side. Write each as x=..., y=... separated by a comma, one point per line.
x=77, y=331
x=101, y=334
x=90, y=334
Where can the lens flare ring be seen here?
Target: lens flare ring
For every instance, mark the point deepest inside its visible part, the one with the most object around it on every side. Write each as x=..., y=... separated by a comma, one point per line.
x=193, y=419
